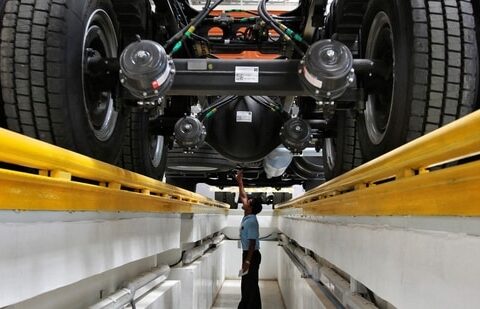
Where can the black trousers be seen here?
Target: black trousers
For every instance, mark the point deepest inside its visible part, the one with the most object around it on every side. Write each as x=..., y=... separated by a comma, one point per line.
x=250, y=290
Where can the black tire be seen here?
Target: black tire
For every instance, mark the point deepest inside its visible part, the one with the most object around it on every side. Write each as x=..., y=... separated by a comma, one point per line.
x=143, y=152
x=185, y=169
x=341, y=152
x=3, y=121
x=42, y=78
x=436, y=66
x=134, y=19
x=310, y=169
x=476, y=10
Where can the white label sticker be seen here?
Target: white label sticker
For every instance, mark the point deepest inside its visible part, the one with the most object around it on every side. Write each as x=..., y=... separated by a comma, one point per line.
x=246, y=74
x=243, y=116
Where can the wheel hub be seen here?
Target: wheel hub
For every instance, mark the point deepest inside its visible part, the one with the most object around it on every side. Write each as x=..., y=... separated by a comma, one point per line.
x=99, y=40
x=379, y=101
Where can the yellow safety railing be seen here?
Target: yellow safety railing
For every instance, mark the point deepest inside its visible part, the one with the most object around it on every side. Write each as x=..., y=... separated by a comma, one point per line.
x=67, y=181
x=437, y=174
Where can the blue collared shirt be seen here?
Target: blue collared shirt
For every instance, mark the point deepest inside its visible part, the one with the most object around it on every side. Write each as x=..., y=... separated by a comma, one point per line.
x=249, y=231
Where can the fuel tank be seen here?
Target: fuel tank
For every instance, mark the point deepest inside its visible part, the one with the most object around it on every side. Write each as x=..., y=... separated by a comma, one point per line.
x=245, y=129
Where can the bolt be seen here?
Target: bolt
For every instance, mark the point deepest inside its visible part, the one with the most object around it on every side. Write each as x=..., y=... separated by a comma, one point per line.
x=298, y=128
x=156, y=92
x=329, y=94
x=352, y=70
x=172, y=71
x=145, y=94
x=330, y=54
x=350, y=80
x=317, y=91
x=300, y=71
x=302, y=61
x=142, y=54
x=122, y=80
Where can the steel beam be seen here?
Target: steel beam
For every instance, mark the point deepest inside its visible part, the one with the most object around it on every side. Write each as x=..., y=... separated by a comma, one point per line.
x=69, y=181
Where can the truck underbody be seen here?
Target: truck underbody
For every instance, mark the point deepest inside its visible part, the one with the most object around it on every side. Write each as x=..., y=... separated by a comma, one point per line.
x=295, y=94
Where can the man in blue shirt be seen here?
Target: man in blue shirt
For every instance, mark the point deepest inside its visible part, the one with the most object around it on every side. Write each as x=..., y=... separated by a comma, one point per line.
x=250, y=244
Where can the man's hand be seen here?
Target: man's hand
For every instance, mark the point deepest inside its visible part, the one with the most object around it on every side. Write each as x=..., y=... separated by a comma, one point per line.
x=245, y=267
x=241, y=190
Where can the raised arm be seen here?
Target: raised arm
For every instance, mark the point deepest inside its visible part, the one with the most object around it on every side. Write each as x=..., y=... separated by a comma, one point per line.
x=241, y=188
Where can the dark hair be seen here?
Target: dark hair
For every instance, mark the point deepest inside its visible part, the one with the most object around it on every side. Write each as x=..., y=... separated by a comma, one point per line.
x=256, y=204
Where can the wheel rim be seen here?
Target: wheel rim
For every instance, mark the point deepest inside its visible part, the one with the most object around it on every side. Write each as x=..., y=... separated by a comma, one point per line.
x=330, y=153
x=156, y=150
x=379, y=104
x=99, y=105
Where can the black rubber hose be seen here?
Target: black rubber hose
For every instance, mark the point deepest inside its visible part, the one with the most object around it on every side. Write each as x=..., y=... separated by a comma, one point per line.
x=228, y=99
x=278, y=24
x=194, y=25
x=180, y=33
x=262, y=10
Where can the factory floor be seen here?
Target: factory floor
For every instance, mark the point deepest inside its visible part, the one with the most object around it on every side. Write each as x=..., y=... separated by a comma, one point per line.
x=229, y=295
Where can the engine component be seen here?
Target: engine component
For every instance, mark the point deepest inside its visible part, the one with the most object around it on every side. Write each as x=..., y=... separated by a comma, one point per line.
x=296, y=133
x=327, y=69
x=277, y=162
x=189, y=133
x=245, y=129
x=146, y=70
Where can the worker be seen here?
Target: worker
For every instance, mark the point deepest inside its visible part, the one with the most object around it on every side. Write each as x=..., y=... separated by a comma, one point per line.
x=251, y=257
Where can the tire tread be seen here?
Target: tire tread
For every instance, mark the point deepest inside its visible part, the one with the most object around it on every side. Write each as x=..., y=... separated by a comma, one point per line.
x=451, y=38
x=31, y=103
